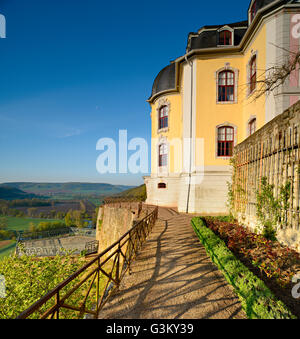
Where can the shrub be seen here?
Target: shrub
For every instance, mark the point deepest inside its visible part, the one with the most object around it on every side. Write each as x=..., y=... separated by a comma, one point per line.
x=28, y=279
x=269, y=232
x=257, y=300
x=7, y=235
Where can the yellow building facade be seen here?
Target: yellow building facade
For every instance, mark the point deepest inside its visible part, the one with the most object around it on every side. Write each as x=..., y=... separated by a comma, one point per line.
x=205, y=103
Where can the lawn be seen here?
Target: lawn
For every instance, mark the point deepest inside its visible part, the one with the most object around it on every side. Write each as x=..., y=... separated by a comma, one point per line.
x=7, y=248
x=16, y=224
x=22, y=224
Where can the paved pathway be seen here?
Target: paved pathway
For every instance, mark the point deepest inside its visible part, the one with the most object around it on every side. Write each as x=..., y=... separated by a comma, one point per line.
x=173, y=278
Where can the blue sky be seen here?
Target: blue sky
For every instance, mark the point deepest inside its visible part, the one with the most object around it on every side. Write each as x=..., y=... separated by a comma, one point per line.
x=73, y=72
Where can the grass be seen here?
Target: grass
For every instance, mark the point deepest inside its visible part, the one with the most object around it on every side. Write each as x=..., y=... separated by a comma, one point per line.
x=96, y=201
x=7, y=250
x=22, y=224
x=138, y=193
x=17, y=224
x=256, y=298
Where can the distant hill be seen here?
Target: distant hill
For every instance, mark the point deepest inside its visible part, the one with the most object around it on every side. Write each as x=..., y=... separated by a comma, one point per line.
x=12, y=193
x=65, y=189
x=138, y=193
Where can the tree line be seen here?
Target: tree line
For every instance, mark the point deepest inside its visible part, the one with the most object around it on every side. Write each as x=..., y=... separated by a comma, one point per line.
x=34, y=202
x=72, y=217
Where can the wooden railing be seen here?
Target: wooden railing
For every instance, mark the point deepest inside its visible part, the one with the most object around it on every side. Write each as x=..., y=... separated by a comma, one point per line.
x=88, y=290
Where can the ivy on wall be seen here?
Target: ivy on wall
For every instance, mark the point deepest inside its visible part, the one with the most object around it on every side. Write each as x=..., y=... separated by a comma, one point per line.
x=271, y=211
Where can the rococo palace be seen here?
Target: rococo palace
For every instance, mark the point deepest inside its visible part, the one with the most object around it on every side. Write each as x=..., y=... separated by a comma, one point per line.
x=205, y=102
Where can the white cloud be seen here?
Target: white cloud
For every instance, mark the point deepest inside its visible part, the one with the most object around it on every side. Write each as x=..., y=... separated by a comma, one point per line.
x=70, y=132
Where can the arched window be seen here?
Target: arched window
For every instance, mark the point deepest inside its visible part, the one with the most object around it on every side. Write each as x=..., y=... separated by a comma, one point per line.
x=225, y=141
x=163, y=117
x=253, y=10
x=252, y=126
x=163, y=155
x=162, y=185
x=226, y=86
x=225, y=38
x=253, y=74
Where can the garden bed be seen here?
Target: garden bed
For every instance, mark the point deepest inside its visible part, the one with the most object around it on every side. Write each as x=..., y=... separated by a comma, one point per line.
x=273, y=263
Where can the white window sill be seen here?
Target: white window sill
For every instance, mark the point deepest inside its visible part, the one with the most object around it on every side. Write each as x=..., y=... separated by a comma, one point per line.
x=163, y=170
x=225, y=45
x=226, y=102
x=163, y=130
x=224, y=158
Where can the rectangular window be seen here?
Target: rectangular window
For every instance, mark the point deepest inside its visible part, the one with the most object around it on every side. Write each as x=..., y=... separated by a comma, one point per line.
x=225, y=38
x=252, y=127
x=163, y=117
x=163, y=155
x=253, y=10
x=226, y=86
x=225, y=141
x=162, y=186
x=253, y=74
x=163, y=122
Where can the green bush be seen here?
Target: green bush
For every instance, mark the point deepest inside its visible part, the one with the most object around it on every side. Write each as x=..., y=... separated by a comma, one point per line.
x=46, y=226
x=257, y=300
x=269, y=231
x=225, y=218
x=7, y=235
x=28, y=279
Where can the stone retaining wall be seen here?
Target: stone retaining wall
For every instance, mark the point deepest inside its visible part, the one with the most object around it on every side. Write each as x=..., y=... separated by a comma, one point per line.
x=113, y=222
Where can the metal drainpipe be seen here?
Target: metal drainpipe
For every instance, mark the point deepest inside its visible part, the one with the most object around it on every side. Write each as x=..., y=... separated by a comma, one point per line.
x=191, y=135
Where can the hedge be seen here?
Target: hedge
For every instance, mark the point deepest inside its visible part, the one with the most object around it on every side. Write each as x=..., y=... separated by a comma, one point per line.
x=256, y=298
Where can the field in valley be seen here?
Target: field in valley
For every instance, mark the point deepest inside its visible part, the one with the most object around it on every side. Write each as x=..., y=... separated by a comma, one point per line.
x=22, y=224
x=59, y=206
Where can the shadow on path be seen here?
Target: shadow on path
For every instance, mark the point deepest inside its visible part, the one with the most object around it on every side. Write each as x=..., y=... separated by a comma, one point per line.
x=173, y=278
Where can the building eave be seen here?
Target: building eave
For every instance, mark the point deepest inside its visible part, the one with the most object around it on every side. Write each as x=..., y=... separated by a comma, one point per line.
x=157, y=95
x=260, y=16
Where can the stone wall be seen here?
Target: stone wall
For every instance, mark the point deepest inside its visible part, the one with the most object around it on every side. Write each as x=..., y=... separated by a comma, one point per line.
x=206, y=195
x=272, y=152
x=113, y=222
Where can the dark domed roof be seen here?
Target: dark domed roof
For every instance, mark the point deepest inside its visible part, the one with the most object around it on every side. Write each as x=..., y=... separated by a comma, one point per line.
x=166, y=80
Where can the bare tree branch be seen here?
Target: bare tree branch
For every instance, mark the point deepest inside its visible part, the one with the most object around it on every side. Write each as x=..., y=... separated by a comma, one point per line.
x=276, y=76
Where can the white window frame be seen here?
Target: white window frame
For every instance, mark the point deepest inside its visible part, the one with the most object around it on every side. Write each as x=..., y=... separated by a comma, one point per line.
x=235, y=129
x=249, y=92
x=236, y=82
x=252, y=117
x=163, y=170
x=161, y=103
x=231, y=30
